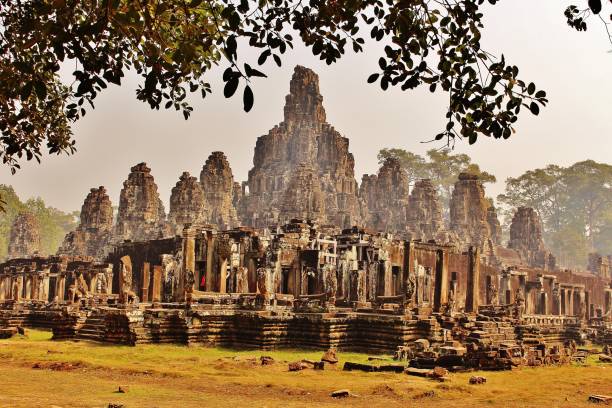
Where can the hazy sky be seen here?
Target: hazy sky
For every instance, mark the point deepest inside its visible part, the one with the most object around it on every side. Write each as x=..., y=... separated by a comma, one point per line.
x=574, y=68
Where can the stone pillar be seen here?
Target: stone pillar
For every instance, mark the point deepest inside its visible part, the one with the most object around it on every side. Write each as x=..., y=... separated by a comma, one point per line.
x=157, y=283
x=544, y=303
x=472, y=299
x=188, y=259
x=441, y=284
x=210, y=246
x=407, y=267
x=146, y=279
x=223, y=276
x=570, y=306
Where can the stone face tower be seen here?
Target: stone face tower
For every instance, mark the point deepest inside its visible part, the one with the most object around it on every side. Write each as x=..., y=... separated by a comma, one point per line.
x=469, y=212
x=93, y=235
x=187, y=204
x=425, y=220
x=526, y=239
x=141, y=214
x=386, y=196
x=304, y=139
x=24, y=239
x=217, y=183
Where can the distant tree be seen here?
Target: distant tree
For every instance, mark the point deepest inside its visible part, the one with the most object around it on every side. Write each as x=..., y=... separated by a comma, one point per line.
x=444, y=169
x=173, y=44
x=575, y=204
x=414, y=165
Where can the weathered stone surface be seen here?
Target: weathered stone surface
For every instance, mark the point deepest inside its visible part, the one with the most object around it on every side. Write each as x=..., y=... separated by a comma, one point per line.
x=386, y=196
x=24, y=239
x=141, y=214
x=304, y=139
x=93, y=235
x=303, y=197
x=495, y=228
x=187, y=204
x=469, y=212
x=217, y=182
x=424, y=216
x=599, y=265
x=526, y=239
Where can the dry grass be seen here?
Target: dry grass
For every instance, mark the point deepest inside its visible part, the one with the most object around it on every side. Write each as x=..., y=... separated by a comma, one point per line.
x=36, y=372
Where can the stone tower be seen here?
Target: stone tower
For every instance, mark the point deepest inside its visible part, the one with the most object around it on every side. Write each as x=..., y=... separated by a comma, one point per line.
x=386, y=196
x=303, y=139
x=217, y=183
x=526, y=239
x=93, y=235
x=24, y=238
x=187, y=204
x=141, y=214
x=469, y=212
x=424, y=216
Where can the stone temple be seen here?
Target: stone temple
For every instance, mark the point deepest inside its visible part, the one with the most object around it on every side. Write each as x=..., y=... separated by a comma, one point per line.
x=301, y=255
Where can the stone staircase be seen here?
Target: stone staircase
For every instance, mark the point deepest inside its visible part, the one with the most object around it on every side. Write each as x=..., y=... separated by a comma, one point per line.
x=91, y=327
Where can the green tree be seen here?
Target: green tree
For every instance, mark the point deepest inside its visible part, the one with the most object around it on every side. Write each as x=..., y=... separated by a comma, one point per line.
x=172, y=45
x=414, y=165
x=575, y=204
x=444, y=169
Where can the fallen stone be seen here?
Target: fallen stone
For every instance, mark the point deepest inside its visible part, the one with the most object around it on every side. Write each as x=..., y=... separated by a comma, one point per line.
x=426, y=394
x=22, y=331
x=123, y=389
x=476, y=379
x=8, y=332
x=297, y=366
x=330, y=356
x=111, y=405
x=600, y=399
x=340, y=394
x=605, y=358
x=418, y=372
x=319, y=365
x=266, y=360
x=439, y=372
x=348, y=366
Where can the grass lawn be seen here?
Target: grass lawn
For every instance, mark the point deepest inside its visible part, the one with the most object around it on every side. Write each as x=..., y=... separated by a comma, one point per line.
x=37, y=372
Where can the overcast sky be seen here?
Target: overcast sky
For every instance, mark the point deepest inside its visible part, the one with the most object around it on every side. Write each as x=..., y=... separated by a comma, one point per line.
x=574, y=68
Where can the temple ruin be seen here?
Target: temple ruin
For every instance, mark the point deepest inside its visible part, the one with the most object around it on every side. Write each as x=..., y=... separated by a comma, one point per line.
x=300, y=256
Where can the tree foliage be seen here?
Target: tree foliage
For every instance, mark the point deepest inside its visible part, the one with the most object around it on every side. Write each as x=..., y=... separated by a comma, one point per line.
x=575, y=204
x=54, y=224
x=578, y=16
x=173, y=44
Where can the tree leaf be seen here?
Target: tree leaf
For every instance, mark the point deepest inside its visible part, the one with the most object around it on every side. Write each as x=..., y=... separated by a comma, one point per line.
x=230, y=87
x=247, y=98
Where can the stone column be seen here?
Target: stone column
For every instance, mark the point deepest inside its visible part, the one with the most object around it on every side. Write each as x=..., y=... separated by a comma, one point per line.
x=472, y=299
x=441, y=284
x=157, y=284
x=406, y=271
x=188, y=260
x=223, y=276
x=146, y=279
x=210, y=246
